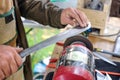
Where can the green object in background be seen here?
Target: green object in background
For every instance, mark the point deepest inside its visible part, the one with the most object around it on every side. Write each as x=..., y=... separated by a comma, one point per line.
x=37, y=35
x=58, y=0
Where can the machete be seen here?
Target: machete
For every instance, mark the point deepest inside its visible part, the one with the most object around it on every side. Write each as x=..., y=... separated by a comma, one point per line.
x=61, y=36
x=104, y=58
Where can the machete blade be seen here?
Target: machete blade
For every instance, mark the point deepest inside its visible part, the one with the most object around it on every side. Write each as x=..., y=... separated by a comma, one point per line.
x=61, y=36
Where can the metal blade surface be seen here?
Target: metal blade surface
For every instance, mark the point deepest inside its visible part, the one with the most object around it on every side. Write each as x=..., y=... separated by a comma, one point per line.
x=61, y=36
x=104, y=59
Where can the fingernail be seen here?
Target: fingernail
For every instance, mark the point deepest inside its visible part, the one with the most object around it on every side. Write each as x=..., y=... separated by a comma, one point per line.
x=20, y=48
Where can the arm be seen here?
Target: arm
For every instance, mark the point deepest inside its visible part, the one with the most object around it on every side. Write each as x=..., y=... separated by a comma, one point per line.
x=41, y=11
x=46, y=13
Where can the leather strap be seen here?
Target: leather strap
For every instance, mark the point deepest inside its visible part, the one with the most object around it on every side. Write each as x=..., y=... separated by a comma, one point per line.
x=22, y=42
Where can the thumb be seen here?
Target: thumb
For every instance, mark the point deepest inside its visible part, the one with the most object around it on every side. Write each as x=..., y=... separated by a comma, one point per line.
x=73, y=22
x=19, y=49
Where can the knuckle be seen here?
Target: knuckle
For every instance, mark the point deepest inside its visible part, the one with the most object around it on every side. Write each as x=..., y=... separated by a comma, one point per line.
x=82, y=13
x=15, y=69
x=19, y=62
x=3, y=64
x=8, y=56
x=2, y=77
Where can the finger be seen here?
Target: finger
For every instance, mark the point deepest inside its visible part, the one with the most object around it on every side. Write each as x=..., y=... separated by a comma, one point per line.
x=13, y=66
x=74, y=15
x=18, y=59
x=2, y=76
x=85, y=17
x=18, y=49
x=82, y=17
x=70, y=21
x=5, y=68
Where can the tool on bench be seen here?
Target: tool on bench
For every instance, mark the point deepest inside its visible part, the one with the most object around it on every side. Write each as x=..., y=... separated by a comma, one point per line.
x=61, y=36
x=115, y=54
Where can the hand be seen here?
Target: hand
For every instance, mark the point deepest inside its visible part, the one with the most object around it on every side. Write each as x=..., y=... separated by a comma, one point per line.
x=10, y=60
x=73, y=17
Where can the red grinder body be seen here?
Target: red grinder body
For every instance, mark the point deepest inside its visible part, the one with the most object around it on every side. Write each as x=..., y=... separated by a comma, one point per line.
x=76, y=61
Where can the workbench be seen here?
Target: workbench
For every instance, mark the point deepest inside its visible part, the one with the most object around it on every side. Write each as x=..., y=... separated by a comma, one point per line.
x=98, y=42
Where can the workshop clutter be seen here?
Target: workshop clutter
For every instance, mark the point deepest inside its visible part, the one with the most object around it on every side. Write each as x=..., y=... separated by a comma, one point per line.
x=97, y=12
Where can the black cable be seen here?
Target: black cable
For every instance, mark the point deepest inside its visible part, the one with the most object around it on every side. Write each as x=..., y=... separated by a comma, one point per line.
x=106, y=35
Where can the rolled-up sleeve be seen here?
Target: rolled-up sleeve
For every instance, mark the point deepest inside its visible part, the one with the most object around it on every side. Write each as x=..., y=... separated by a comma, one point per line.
x=42, y=11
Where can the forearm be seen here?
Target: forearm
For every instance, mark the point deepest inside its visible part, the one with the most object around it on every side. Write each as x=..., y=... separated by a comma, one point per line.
x=41, y=11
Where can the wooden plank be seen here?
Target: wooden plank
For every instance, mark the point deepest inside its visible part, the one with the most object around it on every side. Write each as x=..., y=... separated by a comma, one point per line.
x=81, y=3
x=101, y=43
x=101, y=20
x=97, y=18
